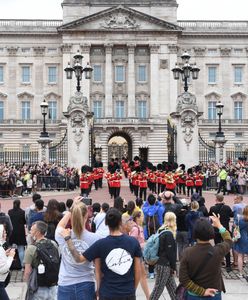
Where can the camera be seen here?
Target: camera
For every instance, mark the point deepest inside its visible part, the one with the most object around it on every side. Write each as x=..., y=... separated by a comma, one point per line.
x=87, y=201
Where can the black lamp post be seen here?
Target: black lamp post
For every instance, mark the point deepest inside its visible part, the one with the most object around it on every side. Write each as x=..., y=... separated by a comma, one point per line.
x=219, y=110
x=44, y=111
x=186, y=71
x=78, y=70
x=90, y=116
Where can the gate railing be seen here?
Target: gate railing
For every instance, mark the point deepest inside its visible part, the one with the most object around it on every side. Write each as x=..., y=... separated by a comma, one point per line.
x=59, y=153
x=171, y=142
x=19, y=157
x=235, y=155
x=206, y=150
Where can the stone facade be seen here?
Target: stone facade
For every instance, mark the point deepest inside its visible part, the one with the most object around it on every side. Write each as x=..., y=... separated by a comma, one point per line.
x=132, y=49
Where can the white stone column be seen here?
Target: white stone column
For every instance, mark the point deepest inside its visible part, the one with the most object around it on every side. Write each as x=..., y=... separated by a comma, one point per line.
x=220, y=150
x=154, y=67
x=131, y=81
x=67, y=84
x=173, y=84
x=108, y=80
x=85, y=88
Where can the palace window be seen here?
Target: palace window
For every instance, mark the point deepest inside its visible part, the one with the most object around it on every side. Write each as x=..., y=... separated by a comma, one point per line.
x=52, y=74
x=142, y=73
x=1, y=110
x=119, y=73
x=142, y=109
x=119, y=109
x=25, y=110
x=1, y=74
x=238, y=74
x=212, y=110
x=238, y=110
x=26, y=74
x=97, y=73
x=52, y=110
x=212, y=72
x=97, y=109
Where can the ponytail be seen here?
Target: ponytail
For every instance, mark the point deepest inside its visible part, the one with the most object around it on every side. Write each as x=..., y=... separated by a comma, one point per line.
x=78, y=218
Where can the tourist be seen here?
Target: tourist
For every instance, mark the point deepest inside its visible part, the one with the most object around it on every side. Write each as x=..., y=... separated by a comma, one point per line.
x=241, y=245
x=76, y=281
x=225, y=213
x=190, y=219
x=200, y=266
x=99, y=220
x=166, y=264
x=45, y=290
x=117, y=260
x=182, y=230
x=6, y=259
x=18, y=236
x=52, y=216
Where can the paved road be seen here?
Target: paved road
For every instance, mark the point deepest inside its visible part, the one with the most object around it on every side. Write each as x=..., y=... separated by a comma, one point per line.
x=236, y=288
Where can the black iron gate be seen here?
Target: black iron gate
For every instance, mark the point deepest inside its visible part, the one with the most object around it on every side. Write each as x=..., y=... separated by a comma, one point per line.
x=117, y=151
x=59, y=152
x=206, y=150
x=171, y=142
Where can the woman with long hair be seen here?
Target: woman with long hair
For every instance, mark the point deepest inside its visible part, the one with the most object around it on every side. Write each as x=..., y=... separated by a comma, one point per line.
x=241, y=246
x=137, y=232
x=6, y=259
x=166, y=264
x=52, y=216
x=76, y=281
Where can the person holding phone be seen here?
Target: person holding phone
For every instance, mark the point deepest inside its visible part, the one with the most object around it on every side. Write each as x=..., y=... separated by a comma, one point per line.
x=6, y=259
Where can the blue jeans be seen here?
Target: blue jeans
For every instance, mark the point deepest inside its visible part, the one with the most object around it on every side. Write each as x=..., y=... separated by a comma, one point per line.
x=3, y=293
x=21, y=251
x=45, y=293
x=78, y=291
x=216, y=297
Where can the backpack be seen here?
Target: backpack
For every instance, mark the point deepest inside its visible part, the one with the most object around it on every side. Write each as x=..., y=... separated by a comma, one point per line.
x=48, y=256
x=152, y=224
x=151, y=248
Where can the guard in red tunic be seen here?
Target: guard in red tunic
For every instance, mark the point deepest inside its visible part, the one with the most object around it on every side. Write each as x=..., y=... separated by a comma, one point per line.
x=182, y=179
x=170, y=182
x=190, y=182
x=100, y=172
x=116, y=179
x=198, y=176
x=135, y=181
x=95, y=178
x=142, y=177
x=85, y=181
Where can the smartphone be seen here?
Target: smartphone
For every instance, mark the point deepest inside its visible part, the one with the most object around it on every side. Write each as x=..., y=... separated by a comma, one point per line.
x=87, y=201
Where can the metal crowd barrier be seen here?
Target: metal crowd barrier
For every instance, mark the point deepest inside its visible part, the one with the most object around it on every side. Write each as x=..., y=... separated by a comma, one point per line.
x=210, y=183
x=50, y=183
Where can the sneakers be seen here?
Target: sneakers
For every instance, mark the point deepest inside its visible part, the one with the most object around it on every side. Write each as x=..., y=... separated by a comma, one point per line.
x=240, y=275
x=151, y=275
x=228, y=269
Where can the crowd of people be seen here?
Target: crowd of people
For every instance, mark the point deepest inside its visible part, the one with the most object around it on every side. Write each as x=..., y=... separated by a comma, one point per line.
x=76, y=251
x=16, y=181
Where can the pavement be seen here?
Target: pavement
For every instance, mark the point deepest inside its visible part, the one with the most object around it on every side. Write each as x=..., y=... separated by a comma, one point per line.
x=236, y=288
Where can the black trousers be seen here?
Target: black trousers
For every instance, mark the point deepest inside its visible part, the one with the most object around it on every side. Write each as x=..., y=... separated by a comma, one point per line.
x=218, y=240
x=222, y=185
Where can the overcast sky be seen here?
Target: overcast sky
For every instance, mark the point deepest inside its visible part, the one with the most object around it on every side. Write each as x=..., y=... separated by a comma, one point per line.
x=188, y=9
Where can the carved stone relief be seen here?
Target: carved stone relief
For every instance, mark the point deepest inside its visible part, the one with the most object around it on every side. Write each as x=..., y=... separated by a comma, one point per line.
x=188, y=123
x=186, y=100
x=39, y=51
x=77, y=111
x=120, y=21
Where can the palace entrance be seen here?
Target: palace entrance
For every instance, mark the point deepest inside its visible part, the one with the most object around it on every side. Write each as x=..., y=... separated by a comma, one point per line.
x=120, y=145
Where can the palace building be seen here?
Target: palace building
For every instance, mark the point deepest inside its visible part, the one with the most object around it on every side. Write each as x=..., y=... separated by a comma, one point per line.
x=132, y=47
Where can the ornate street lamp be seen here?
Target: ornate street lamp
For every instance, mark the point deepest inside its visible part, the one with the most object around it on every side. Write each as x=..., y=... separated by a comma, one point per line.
x=44, y=111
x=186, y=71
x=219, y=110
x=78, y=69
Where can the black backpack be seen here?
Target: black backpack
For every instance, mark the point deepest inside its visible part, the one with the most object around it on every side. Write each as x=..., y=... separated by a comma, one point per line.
x=48, y=255
x=152, y=224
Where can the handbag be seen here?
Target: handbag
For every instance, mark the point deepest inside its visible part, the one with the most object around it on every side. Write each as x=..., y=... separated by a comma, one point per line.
x=236, y=233
x=181, y=291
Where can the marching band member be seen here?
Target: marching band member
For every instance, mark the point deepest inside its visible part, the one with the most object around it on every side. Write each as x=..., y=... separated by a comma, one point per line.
x=116, y=179
x=85, y=181
x=100, y=172
x=182, y=180
x=198, y=177
x=170, y=182
x=142, y=177
x=190, y=182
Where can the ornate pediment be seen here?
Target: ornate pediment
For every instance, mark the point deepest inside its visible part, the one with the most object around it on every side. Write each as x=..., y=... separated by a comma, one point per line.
x=25, y=95
x=119, y=18
x=52, y=95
